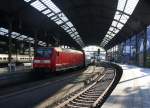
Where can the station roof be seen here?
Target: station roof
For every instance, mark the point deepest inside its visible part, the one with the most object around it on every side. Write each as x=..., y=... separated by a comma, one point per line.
x=88, y=21
x=137, y=22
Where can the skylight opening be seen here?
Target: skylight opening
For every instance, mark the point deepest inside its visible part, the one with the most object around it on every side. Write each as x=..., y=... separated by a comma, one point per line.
x=76, y=33
x=69, y=32
x=73, y=29
x=124, y=7
x=51, y=5
x=72, y=35
x=111, y=28
x=27, y=0
x=14, y=34
x=120, y=25
x=47, y=7
x=116, y=31
x=50, y=15
x=63, y=17
x=5, y=31
x=69, y=24
x=46, y=11
x=65, y=27
x=59, y=22
x=131, y=4
x=121, y=4
x=108, y=36
x=114, y=23
x=54, y=17
x=124, y=19
x=117, y=15
x=38, y=5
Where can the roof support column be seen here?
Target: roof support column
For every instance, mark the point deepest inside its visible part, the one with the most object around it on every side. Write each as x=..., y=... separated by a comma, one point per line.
x=46, y=37
x=145, y=46
x=106, y=56
x=10, y=42
x=29, y=50
x=130, y=51
x=35, y=41
x=136, y=53
x=113, y=54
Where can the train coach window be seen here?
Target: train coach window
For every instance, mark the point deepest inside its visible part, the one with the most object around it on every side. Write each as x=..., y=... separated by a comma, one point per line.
x=0, y=58
x=4, y=58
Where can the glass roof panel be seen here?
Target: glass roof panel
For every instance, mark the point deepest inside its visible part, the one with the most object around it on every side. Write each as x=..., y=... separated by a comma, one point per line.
x=27, y=0
x=51, y=5
x=4, y=30
x=14, y=34
x=56, y=15
x=38, y=5
x=59, y=22
x=108, y=36
x=63, y=17
x=46, y=11
x=69, y=30
x=124, y=18
x=120, y=25
x=65, y=27
x=72, y=35
x=117, y=15
x=114, y=23
x=29, y=38
x=131, y=4
x=69, y=24
x=76, y=33
x=23, y=36
x=116, y=31
x=73, y=29
x=111, y=28
x=51, y=14
x=121, y=4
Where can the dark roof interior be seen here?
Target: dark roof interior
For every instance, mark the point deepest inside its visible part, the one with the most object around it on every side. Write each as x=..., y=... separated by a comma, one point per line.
x=91, y=18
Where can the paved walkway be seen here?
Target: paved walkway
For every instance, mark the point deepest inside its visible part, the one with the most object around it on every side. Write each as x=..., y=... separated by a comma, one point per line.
x=133, y=91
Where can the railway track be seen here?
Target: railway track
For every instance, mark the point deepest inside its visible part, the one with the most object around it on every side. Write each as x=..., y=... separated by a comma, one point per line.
x=49, y=93
x=29, y=94
x=93, y=94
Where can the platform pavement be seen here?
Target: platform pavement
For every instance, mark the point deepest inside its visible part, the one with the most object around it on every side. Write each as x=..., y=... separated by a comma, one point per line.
x=22, y=68
x=133, y=90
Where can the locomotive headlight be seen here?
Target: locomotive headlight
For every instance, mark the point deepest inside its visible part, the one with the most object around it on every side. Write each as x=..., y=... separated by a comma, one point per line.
x=46, y=61
x=36, y=61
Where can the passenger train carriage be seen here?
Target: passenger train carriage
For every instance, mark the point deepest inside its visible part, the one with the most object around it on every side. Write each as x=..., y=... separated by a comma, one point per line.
x=15, y=58
x=56, y=59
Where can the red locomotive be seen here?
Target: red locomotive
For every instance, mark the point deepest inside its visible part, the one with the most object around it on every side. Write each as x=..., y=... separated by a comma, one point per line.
x=57, y=59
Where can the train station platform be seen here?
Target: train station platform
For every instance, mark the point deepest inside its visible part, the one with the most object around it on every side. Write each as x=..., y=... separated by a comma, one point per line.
x=25, y=67
x=133, y=90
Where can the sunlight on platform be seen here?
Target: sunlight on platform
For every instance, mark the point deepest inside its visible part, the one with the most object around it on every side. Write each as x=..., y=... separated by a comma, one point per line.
x=133, y=91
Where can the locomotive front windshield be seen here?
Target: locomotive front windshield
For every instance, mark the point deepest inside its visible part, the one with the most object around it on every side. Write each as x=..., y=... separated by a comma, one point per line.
x=43, y=52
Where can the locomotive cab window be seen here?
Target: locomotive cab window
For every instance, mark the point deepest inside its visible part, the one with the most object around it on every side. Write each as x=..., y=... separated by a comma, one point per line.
x=43, y=52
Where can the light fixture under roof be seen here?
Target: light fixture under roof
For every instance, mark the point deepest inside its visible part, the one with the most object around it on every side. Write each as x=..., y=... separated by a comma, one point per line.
x=124, y=10
x=48, y=8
